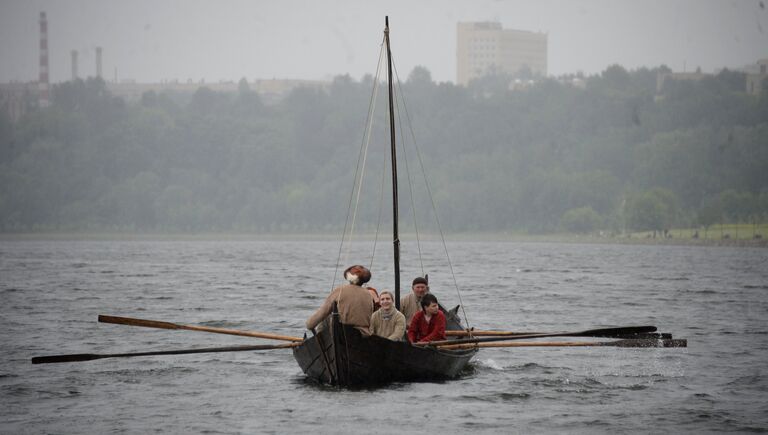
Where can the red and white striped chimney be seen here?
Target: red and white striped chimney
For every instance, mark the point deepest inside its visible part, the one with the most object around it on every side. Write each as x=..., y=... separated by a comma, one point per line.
x=42, y=83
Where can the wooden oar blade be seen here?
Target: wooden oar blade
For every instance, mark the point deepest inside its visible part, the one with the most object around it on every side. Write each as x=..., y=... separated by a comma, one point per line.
x=168, y=325
x=648, y=335
x=137, y=322
x=66, y=358
x=677, y=342
x=617, y=332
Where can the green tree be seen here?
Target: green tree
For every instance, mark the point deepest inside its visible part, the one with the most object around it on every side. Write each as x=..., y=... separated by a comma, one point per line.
x=581, y=220
x=710, y=213
x=731, y=200
x=652, y=210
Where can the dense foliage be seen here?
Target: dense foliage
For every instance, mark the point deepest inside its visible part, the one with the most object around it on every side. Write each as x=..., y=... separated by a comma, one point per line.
x=611, y=155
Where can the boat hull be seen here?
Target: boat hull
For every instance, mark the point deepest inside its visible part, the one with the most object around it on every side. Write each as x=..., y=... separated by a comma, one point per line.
x=342, y=355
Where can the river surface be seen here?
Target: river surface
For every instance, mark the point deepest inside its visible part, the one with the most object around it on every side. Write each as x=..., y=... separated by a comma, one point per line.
x=52, y=292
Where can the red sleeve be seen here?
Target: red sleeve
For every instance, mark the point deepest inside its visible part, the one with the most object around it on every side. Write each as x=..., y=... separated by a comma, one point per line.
x=438, y=328
x=414, y=327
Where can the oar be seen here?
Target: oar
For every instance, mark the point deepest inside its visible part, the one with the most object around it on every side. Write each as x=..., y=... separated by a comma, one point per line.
x=92, y=356
x=169, y=325
x=617, y=343
x=603, y=332
x=630, y=332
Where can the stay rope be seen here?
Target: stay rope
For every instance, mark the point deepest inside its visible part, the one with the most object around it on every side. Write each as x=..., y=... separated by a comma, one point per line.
x=362, y=155
x=429, y=193
x=410, y=185
x=357, y=185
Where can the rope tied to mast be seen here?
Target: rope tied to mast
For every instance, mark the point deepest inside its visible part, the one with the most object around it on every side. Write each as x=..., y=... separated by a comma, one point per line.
x=355, y=195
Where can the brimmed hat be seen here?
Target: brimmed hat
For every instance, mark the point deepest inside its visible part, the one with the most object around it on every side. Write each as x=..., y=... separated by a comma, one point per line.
x=357, y=274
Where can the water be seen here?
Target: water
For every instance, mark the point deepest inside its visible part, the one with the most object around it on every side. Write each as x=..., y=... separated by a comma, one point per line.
x=52, y=292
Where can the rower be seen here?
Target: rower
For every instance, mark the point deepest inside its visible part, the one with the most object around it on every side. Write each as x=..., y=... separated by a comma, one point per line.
x=354, y=302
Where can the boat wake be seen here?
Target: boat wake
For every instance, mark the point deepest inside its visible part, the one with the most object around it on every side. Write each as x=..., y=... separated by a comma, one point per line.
x=488, y=364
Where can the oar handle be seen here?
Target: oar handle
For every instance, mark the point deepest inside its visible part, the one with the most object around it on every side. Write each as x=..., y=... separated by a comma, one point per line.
x=480, y=333
x=483, y=333
x=168, y=325
x=604, y=332
x=617, y=343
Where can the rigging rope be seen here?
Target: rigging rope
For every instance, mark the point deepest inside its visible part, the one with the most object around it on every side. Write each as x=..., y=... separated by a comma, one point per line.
x=357, y=184
x=367, y=141
x=410, y=182
x=363, y=145
x=366, y=147
x=431, y=198
x=381, y=211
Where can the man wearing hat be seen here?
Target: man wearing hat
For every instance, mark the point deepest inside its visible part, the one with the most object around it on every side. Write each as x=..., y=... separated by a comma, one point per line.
x=354, y=302
x=410, y=303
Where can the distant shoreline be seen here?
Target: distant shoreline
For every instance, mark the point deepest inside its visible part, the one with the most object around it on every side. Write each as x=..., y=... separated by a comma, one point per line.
x=464, y=237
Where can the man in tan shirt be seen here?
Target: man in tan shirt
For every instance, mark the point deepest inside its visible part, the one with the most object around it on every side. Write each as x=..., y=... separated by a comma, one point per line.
x=354, y=302
x=409, y=304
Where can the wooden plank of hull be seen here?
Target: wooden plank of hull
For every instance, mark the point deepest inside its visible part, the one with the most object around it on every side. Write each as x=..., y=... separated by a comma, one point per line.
x=360, y=360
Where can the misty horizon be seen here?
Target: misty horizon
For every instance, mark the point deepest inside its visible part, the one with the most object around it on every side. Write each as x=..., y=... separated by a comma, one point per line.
x=213, y=42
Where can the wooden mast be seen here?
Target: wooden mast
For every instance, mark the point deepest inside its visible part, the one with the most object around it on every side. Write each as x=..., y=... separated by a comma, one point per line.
x=395, y=235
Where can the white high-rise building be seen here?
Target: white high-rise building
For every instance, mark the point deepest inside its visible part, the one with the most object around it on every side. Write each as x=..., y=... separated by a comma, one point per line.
x=486, y=47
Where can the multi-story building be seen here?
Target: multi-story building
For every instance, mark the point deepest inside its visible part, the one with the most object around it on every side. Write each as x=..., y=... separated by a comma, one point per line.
x=483, y=48
x=664, y=77
x=756, y=77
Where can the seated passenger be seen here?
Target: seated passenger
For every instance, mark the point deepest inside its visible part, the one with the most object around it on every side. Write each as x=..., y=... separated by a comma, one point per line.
x=387, y=322
x=429, y=323
x=409, y=304
x=354, y=303
x=375, y=296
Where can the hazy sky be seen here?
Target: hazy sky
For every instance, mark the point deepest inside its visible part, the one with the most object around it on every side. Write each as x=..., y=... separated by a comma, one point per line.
x=153, y=40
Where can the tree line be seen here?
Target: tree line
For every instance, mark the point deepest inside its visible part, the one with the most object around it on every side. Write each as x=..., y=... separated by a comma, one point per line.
x=613, y=154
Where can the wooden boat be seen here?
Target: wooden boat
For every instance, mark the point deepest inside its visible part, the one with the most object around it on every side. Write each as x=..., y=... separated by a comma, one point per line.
x=341, y=355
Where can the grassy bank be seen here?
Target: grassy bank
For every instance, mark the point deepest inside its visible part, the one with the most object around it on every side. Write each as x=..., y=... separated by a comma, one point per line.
x=686, y=236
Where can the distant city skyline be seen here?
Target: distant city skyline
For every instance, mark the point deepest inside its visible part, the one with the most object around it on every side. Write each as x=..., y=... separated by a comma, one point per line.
x=154, y=41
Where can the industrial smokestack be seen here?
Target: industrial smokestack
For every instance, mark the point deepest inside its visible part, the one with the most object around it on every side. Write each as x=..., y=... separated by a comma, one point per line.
x=42, y=83
x=74, y=65
x=98, y=62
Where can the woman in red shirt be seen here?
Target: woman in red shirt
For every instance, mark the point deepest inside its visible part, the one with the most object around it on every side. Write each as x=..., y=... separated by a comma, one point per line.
x=429, y=323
